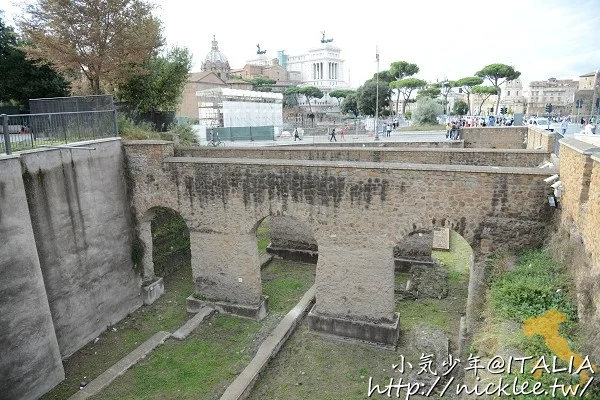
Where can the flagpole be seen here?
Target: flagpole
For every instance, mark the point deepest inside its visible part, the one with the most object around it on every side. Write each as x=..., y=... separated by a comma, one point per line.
x=377, y=95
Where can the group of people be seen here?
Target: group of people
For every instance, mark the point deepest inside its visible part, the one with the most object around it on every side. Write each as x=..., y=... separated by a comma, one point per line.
x=453, y=129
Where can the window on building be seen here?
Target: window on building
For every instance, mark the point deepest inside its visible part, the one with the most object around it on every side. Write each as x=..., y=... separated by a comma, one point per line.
x=508, y=93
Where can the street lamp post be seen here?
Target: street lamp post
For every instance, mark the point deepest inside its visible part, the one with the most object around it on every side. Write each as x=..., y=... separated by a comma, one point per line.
x=377, y=95
x=594, y=88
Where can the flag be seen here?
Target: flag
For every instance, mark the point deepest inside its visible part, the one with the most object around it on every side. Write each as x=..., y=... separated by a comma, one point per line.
x=377, y=53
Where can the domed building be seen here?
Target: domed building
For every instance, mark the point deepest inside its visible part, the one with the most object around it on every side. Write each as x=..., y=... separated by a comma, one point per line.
x=216, y=62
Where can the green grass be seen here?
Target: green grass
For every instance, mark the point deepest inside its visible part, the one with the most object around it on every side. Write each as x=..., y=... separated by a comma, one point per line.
x=202, y=366
x=458, y=258
x=535, y=286
x=312, y=367
x=263, y=235
x=166, y=314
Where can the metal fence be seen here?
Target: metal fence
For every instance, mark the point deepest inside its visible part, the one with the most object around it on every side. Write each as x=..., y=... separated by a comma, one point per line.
x=28, y=131
x=101, y=102
x=250, y=133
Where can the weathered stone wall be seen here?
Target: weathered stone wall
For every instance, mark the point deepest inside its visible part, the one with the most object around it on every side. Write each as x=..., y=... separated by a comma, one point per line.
x=456, y=144
x=30, y=364
x=357, y=212
x=82, y=226
x=540, y=138
x=508, y=137
x=506, y=158
x=577, y=240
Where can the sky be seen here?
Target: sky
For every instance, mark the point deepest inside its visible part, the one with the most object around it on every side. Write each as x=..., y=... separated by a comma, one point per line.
x=446, y=39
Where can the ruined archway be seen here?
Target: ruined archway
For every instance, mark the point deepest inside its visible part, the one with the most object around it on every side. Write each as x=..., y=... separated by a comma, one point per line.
x=288, y=254
x=432, y=273
x=167, y=253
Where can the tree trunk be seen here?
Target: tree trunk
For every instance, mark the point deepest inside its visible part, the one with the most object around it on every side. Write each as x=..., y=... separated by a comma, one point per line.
x=397, y=104
x=404, y=107
x=96, y=85
x=309, y=106
x=468, y=103
x=497, y=100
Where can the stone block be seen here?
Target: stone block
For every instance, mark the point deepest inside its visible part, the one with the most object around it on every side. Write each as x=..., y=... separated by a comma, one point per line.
x=254, y=312
x=152, y=291
x=429, y=281
x=305, y=256
x=376, y=333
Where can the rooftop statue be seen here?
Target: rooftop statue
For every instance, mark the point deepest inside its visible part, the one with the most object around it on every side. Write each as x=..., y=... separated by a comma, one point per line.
x=259, y=51
x=323, y=40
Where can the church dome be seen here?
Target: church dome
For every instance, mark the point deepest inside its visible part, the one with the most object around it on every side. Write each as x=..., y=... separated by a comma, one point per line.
x=215, y=60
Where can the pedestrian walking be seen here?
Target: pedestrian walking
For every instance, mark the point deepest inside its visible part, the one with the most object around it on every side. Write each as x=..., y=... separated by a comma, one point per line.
x=389, y=130
x=333, y=136
x=296, y=134
x=342, y=136
x=563, y=126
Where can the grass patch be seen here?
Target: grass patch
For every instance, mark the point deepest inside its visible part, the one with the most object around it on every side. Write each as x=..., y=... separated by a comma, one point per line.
x=401, y=278
x=202, y=366
x=285, y=282
x=419, y=128
x=458, y=258
x=312, y=367
x=535, y=286
x=263, y=235
x=166, y=314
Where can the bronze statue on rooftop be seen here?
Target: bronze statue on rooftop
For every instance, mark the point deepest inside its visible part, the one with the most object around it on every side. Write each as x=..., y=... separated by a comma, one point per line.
x=323, y=40
x=259, y=51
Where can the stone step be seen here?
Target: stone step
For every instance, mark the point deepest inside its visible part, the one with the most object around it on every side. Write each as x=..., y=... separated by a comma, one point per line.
x=193, y=323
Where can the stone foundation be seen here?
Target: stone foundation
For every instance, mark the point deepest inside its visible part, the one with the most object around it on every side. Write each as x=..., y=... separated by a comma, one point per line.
x=257, y=312
x=305, y=256
x=152, y=291
x=381, y=333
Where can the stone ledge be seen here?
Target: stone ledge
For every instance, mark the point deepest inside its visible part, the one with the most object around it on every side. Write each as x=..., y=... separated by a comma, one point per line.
x=385, y=334
x=193, y=323
x=108, y=376
x=254, y=312
x=353, y=165
x=242, y=385
x=152, y=292
x=305, y=256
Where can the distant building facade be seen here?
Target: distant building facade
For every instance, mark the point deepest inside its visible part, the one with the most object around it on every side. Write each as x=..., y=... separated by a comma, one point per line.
x=513, y=98
x=558, y=92
x=588, y=91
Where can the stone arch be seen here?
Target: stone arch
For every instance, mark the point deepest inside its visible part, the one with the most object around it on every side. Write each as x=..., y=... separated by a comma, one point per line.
x=436, y=266
x=145, y=223
x=292, y=239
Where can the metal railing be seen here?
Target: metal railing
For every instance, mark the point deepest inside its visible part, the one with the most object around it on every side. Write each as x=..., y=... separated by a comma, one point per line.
x=28, y=131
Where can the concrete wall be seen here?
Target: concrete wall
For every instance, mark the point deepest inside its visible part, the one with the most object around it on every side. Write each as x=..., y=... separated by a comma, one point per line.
x=81, y=221
x=508, y=137
x=540, y=138
x=577, y=240
x=347, y=205
x=30, y=363
x=507, y=158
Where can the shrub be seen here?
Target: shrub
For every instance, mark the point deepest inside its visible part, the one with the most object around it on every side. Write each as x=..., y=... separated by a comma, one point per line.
x=128, y=129
x=426, y=112
x=535, y=286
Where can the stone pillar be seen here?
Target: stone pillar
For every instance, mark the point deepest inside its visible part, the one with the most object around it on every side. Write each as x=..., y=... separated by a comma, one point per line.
x=226, y=271
x=355, y=293
x=145, y=227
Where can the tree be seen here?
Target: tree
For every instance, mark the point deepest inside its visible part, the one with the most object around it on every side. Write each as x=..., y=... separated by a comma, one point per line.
x=262, y=84
x=426, y=111
x=460, y=108
x=466, y=85
x=400, y=70
x=339, y=95
x=104, y=39
x=484, y=93
x=159, y=84
x=445, y=89
x=350, y=104
x=311, y=92
x=497, y=74
x=23, y=79
x=367, y=97
x=406, y=86
x=431, y=91
x=292, y=93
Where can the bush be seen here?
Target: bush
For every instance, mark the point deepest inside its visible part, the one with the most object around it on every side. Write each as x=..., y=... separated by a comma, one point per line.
x=132, y=131
x=426, y=112
x=535, y=286
x=185, y=132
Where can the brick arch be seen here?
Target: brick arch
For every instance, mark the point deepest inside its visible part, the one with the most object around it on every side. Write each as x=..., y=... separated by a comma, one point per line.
x=358, y=212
